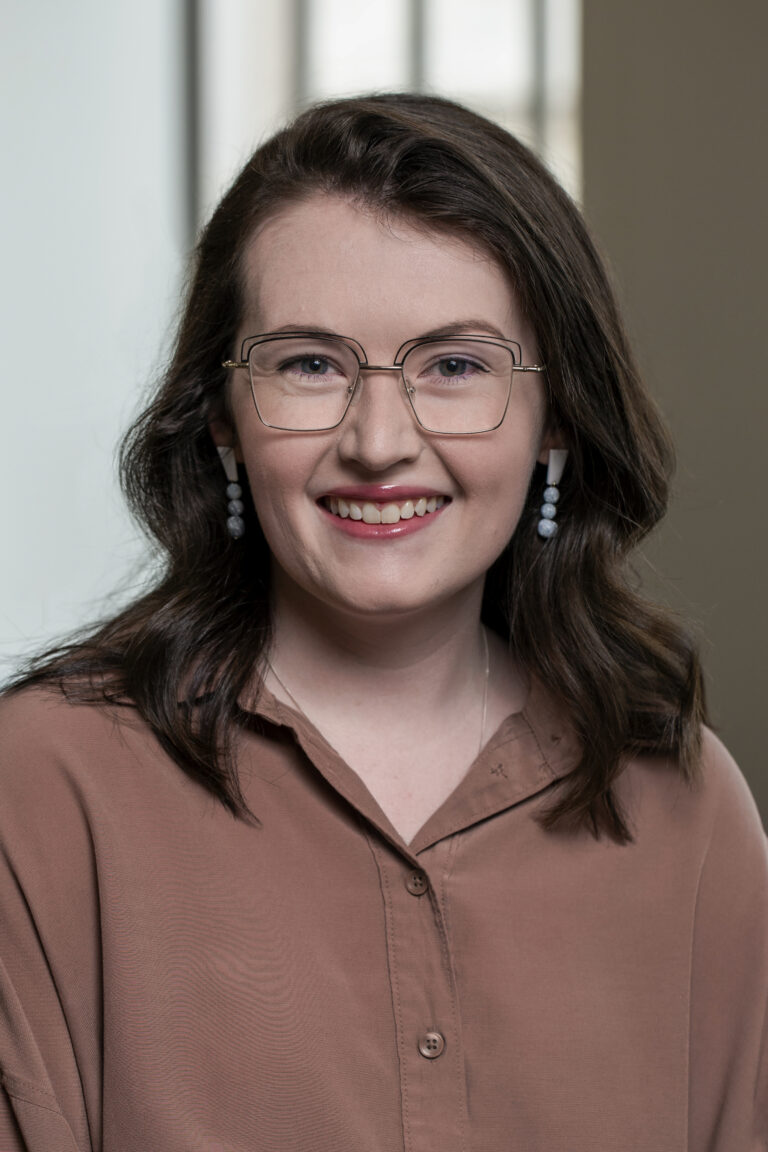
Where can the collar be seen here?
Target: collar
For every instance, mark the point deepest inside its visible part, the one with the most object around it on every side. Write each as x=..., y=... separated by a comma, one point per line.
x=528, y=752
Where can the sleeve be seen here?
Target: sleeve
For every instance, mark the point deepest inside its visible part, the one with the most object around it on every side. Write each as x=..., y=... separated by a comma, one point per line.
x=10, y=1135
x=28, y=1125
x=728, y=1085
x=49, y=991
x=30, y=1117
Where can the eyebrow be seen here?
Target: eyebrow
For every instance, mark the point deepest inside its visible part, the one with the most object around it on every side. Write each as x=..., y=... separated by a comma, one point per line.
x=455, y=328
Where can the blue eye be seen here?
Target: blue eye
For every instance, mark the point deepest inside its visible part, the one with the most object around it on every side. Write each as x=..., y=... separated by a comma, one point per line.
x=310, y=365
x=453, y=366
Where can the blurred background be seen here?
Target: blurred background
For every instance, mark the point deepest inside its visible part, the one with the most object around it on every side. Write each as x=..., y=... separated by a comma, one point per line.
x=122, y=123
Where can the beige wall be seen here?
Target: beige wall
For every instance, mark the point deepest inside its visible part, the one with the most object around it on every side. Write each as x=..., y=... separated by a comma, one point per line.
x=675, y=114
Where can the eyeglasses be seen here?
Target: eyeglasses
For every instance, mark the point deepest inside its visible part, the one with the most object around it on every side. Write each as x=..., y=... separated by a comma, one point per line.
x=455, y=385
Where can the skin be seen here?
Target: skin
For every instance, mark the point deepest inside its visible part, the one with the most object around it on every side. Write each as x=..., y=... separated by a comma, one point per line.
x=386, y=632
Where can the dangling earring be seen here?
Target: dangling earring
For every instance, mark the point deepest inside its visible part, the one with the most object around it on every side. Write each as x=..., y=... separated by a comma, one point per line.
x=235, y=522
x=547, y=526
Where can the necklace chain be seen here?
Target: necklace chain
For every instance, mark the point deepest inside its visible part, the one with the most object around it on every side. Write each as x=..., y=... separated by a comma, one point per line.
x=486, y=678
x=287, y=691
x=484, y=710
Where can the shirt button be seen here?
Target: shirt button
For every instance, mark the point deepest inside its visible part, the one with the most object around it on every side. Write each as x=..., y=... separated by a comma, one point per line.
x=417, y=882
x=431, y=1044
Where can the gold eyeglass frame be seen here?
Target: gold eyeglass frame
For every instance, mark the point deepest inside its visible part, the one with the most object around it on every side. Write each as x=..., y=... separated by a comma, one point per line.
x=363, y=366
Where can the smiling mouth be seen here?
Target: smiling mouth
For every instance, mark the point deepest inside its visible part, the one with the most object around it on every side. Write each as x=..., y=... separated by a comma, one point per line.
x=378, y=512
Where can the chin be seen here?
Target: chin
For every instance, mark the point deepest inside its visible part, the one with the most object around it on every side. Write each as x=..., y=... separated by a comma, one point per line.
x=389, y=602
x=379, y=605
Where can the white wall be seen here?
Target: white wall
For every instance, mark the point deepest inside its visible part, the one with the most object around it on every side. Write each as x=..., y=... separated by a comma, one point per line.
x=246, y=78
x=92, y=240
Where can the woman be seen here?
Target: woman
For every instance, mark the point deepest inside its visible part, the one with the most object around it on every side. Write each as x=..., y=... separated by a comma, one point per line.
x=385, y=819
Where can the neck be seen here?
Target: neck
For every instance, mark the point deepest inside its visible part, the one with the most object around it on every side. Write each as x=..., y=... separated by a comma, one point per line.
x=414, y=661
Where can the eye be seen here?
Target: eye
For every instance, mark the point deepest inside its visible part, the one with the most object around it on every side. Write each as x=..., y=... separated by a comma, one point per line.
x=303, y=362
x=452, y=366
x=308, y=366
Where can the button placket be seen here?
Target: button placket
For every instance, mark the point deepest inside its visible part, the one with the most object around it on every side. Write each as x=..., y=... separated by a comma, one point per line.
x=433, y=1088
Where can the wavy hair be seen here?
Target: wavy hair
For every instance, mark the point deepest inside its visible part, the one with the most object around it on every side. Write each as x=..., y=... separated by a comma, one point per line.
x=623, y=670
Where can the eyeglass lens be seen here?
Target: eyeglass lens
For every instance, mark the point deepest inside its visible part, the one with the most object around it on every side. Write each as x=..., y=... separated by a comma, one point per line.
x=454, y=384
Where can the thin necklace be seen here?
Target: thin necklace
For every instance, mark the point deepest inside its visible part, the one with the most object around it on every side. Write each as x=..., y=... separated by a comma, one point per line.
x=485, y=690
x=484, y=711
x=287, y=691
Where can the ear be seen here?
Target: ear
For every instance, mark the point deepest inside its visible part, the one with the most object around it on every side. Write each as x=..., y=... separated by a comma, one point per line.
x=224, y=436
x=552, y=438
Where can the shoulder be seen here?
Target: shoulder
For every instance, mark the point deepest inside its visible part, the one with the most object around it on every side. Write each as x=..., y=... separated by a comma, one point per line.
x=735, y=866
x=68, y=766
x=703, y=841
x=41, y=727
x=718, y=800
x=49, y=748
x=729, y=801
x=40, y=716
x=84, y=788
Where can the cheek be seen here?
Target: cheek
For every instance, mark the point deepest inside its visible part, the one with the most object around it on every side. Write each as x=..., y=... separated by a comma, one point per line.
x=270, y=493
x=277, y=475
x=501, y=483
x=508, y=507
x=498, y=472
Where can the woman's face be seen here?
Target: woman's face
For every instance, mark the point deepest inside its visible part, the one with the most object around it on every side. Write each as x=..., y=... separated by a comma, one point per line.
x=326, y=263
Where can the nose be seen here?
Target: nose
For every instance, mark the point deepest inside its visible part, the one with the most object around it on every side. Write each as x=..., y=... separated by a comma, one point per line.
x=380, y=429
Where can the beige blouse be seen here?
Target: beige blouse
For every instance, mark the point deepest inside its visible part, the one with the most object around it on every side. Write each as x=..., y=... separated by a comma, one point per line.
x=175, y=980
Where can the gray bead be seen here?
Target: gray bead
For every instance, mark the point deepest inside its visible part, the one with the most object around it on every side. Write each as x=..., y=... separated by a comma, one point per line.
x=235, y=527
x=234, y=491
x=551, y=494
x=547, y=528
x=548, y=511
x=235, y=507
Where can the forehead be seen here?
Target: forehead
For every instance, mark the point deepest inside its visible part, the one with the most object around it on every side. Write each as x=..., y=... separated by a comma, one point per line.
x=329, y=262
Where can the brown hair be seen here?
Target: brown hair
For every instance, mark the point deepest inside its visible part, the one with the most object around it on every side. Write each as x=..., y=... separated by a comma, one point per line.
x=625, y=673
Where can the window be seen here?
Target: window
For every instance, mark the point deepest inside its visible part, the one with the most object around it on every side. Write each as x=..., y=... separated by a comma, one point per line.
x=516, y=61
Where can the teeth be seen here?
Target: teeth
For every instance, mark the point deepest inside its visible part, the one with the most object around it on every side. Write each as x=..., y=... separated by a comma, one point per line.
x=388, y=514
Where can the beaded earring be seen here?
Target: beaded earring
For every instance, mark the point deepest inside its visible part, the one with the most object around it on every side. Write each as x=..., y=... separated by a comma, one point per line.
x=555, y=465
x=235, y=506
